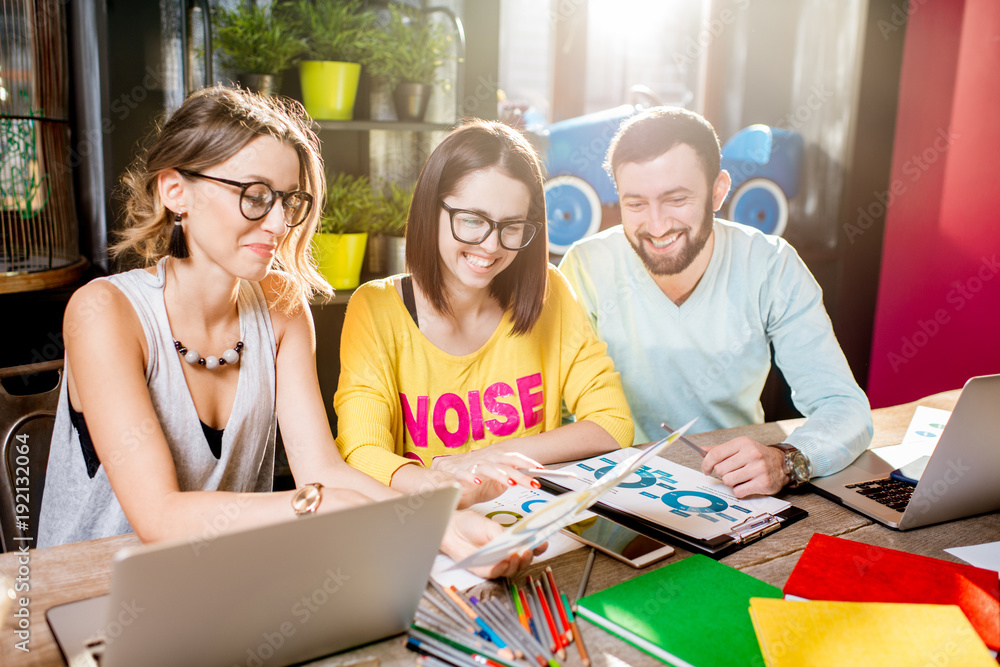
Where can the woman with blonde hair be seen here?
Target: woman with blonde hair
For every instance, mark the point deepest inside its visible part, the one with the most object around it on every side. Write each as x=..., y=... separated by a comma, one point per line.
x=178, y=373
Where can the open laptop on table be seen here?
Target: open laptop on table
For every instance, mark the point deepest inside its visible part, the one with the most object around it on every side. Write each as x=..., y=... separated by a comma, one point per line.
x=961, y=478
x=268, y=596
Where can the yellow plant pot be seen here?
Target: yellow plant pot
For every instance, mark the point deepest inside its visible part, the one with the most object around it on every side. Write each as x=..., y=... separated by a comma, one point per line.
x=329, y=88
x=339, y=258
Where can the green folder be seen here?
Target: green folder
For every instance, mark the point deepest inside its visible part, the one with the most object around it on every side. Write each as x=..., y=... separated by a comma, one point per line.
x=693, y=612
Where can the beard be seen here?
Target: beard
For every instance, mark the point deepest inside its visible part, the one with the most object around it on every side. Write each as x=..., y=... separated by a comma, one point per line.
x=670, y=266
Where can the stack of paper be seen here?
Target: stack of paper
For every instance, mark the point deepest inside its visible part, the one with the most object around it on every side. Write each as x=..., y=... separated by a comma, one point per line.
x=865, y=634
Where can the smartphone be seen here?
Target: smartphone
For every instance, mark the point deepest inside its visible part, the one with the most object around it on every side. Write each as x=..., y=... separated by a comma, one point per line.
x=618, y=541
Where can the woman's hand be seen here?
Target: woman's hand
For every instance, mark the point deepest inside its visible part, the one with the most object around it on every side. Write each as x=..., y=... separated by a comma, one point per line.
x=486, y=473
x=468, y=531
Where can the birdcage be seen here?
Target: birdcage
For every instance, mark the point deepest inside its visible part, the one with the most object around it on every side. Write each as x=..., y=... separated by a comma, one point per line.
x=39, y=241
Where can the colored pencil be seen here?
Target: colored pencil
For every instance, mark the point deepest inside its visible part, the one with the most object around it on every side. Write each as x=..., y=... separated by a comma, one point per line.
x=443, y=653
x=530, y=646
x=584, y=656
x=449, y=607
x=702, y=452
x=481, y=610
x=516, y=594
x=491, y=657
x=585, y=578
x=495, y=614
x=558, y=602
x=448, y=612
x=541, y=625
x=554, y=604
x=528, y=616
x=494, y=637
x=426, y=660
x=557, y=640
x=466, y=638
x=544, y=640
x=444, y=622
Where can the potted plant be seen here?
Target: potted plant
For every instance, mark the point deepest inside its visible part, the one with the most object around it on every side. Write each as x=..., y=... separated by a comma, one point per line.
x=385, y=241
x=339, y=244
x=256, y=44
x=395, y=209
x=406, y=55
x=338, y=35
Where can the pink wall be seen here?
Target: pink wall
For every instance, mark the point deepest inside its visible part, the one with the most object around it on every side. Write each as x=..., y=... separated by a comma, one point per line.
x=937, y=321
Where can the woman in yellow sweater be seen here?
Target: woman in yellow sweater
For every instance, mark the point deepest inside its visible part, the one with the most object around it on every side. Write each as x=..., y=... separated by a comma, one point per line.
x=460, y=369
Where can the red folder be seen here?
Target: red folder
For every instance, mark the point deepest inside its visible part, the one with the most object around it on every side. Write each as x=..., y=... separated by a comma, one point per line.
x=831, y=568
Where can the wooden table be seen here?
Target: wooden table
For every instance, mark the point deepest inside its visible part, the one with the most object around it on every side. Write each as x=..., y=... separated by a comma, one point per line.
x=78, y=571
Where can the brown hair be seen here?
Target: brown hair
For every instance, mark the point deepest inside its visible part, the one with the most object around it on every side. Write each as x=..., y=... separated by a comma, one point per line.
x=210, y=127
x=474, y=146
x=648, y=135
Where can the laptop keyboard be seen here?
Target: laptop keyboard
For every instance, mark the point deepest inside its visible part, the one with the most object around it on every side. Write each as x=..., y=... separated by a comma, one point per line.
x=889, y=492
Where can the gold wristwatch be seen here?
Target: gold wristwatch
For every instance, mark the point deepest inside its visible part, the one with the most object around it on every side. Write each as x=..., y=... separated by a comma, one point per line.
x=796, y=465
x=307, y=499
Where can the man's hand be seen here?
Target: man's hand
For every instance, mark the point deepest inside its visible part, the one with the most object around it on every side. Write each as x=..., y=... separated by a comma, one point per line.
x=747, y=467
x=467, y=531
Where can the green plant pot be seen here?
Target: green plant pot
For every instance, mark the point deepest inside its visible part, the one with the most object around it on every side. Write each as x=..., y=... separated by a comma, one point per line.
x=329, y=88
x=339, y=258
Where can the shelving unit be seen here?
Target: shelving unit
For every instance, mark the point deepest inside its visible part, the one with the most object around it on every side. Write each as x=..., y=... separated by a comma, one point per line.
x=386, y=149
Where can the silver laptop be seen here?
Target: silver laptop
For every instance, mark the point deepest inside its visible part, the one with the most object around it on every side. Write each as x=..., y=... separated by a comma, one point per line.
x=961, y=478
x=268, y=596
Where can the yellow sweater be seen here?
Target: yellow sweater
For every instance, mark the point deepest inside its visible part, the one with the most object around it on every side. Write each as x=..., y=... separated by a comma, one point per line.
x=401, y=399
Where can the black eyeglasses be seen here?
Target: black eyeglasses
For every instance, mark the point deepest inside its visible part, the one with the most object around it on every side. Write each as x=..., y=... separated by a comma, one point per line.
x=474, y=228
x=257, y=199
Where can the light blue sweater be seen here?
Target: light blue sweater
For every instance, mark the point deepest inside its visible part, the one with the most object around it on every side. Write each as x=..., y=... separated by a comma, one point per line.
x=709, y=357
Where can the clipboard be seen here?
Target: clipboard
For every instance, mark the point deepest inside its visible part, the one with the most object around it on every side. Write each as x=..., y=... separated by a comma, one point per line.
x=744, y=527
x=716, y=548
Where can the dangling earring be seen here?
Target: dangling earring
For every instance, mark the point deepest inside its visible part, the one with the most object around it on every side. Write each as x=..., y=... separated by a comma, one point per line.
x=178, y=245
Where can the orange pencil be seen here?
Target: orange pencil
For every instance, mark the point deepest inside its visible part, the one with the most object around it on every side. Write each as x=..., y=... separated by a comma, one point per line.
x=584, y=656
x=558, y=603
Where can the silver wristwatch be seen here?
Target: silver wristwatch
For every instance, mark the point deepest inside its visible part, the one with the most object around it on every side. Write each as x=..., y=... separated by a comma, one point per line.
x=307, y=499
x=796, y=465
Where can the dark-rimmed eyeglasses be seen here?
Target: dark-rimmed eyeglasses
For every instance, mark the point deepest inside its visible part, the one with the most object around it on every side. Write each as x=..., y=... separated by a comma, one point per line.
x=257, y=199
x=474, y=228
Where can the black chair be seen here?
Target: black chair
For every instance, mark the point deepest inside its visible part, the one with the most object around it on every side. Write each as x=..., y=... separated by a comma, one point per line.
x=28, y=398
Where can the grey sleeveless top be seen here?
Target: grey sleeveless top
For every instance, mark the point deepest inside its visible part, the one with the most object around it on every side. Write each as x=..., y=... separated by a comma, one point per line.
x=77, y=507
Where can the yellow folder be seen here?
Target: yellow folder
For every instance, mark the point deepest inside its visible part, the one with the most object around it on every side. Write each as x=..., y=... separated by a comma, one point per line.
x=843, y=634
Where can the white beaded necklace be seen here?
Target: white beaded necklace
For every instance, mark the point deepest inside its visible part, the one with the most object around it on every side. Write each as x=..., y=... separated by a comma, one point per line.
x=230, y=357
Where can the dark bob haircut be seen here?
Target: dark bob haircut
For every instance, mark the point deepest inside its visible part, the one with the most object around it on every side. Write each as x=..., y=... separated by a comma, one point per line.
x=474, y=146
x=651, y=133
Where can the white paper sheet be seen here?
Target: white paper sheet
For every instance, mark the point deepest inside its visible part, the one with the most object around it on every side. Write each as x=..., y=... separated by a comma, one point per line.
x=507, y=509
x=921, y=437
x=563, y=510
x=986, y=555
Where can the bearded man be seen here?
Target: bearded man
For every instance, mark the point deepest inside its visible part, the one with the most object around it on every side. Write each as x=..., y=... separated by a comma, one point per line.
x=691, y=307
